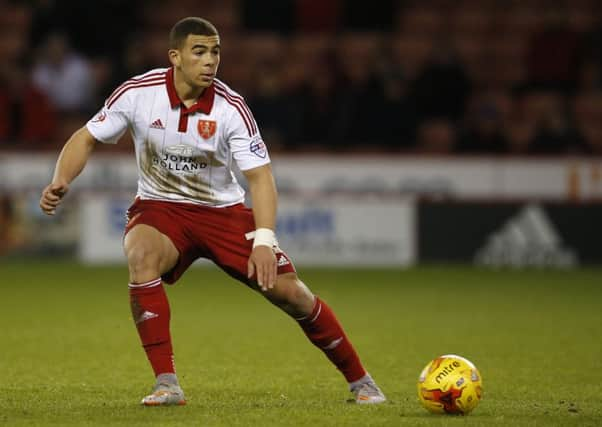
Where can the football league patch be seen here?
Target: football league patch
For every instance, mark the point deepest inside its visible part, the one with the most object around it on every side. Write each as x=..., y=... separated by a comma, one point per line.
x=257, y=147
x=100, y=117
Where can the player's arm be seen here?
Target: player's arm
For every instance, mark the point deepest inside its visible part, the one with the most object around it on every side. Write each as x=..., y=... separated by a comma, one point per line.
x=69, y=165
x=264, y=198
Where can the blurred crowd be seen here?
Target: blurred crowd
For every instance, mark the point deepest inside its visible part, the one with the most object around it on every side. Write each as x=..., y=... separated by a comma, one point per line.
x=516, y=77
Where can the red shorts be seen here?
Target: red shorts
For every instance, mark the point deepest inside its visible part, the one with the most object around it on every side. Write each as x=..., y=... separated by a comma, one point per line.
x=218, y=234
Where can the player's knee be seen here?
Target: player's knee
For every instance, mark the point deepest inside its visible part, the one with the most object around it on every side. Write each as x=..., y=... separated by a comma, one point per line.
x=142, y=256
x=292, y=296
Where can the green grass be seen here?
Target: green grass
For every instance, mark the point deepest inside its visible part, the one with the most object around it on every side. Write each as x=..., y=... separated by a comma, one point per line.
x=69, y=354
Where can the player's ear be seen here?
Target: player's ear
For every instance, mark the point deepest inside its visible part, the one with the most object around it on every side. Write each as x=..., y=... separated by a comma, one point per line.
x=174, y=57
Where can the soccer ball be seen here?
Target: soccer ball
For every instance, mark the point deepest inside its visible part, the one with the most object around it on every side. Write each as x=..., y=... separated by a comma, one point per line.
x=450, y=384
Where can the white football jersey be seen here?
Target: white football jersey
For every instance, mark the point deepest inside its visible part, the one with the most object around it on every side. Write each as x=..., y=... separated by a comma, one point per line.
x=183, y=154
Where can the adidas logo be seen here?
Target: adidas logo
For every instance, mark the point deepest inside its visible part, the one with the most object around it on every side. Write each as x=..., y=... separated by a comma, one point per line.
x=528, y=239
x=157, y=124
x=146, y=316
x=333, y=344
x=282, y=261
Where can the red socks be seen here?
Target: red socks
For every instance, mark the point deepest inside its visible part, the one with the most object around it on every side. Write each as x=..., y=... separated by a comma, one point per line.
x=325, y=332
x=150, y=310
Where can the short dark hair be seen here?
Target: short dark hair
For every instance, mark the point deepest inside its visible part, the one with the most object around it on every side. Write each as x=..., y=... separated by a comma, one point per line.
x=191, y=25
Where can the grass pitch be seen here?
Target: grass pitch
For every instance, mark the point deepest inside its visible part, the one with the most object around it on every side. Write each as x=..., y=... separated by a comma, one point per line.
x=70, y=355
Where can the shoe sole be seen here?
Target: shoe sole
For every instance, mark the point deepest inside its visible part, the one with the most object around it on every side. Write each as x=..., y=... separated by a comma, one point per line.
x=179, y=403
x=369, y=401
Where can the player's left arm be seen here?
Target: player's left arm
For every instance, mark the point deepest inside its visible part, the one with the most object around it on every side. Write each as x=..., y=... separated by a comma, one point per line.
x=265, y=199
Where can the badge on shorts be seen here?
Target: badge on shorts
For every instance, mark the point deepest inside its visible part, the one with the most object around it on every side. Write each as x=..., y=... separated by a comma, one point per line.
x=206, y=128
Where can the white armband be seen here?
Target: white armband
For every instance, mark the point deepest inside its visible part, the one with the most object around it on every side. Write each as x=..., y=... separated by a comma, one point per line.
x=264, y=237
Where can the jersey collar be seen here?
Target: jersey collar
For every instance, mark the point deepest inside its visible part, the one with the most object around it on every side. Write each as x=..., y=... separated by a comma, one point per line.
x=203, y=104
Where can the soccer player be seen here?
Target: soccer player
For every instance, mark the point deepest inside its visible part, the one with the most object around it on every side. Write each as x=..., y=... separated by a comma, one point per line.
x=189, y=129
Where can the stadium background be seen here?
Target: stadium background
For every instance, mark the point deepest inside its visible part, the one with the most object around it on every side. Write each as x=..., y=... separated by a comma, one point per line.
x=448, y=151
x=472, y=101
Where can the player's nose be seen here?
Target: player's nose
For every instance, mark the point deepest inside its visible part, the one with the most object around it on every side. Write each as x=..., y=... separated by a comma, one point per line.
x=210, y=60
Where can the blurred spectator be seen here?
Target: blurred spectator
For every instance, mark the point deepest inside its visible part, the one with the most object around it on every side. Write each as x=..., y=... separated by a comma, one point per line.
x=319, y=101
x=357, y=121
x=556, y=134
x=11, y=234
x=132, y=62
x=436, y=136
x=365, y=97
x=442, y=87
x=587, y=111
x=395, y=119
x=395, y=125
x=64, y=76
x=27, y=119
x=591, y=73
x=95, y=28
x=554, y=54
x=318, y=15
x=358, y=16
x=273, y=107
x=268, y=15
x=483, y=133
x=520, y=134
x=590, y=76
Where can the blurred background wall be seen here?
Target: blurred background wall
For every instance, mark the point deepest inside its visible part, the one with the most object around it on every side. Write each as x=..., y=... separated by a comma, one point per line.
x=472, y=128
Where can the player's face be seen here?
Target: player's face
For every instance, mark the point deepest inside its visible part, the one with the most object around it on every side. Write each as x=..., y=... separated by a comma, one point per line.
x=197, y=59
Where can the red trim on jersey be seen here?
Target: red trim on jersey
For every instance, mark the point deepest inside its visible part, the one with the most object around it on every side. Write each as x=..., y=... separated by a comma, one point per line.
x=241, y=102
x=183, y=122
x=137, y=80
x=204, y=103
x=238, y=108
x=246, y=119
x=174, y=99
x=142, y=83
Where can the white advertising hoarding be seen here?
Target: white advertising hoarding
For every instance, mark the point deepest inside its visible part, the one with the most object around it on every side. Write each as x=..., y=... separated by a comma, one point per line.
x=347, y=232
x=321, y=232
x=102, y=220
x=499, y=178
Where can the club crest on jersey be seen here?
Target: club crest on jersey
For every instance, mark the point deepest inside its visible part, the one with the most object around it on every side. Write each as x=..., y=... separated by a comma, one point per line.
x=257, y=147
x=206, y=128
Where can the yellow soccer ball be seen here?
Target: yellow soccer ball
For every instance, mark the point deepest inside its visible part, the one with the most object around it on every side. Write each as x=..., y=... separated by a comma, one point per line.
x=450, y=384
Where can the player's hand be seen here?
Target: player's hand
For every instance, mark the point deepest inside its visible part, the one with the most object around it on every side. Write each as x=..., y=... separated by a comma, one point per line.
x=52, y=196
x=263, y=262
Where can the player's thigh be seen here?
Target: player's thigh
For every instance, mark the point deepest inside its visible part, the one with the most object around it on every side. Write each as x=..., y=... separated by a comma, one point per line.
x=290, y=294
x=145, y=245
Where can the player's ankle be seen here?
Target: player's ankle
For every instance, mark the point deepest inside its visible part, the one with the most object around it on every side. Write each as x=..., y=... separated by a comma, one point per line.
x=168, y=378
x=363, y=380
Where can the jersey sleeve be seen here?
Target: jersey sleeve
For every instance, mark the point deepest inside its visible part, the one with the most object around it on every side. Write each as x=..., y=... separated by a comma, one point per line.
x=111, y=122
x=246, y=144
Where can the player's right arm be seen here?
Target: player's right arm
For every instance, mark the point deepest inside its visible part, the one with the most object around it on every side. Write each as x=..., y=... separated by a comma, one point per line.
x=107, y=127
x=69, y=165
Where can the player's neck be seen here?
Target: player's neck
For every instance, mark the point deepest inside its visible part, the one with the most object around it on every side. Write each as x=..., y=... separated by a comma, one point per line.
x=188, y=94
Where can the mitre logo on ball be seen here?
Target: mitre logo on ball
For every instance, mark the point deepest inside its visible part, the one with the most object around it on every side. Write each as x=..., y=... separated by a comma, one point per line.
x=206, y=128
